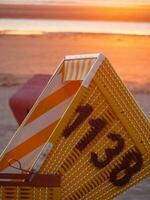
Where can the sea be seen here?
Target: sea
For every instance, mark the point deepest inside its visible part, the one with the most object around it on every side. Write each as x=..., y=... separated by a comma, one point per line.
x=40, y=26
x=30, y=26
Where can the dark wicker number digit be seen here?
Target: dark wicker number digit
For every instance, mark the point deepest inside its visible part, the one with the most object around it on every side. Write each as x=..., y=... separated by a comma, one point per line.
x=110, y=153
x=132, y=161
x=131, y=164
x=96, y=126
x=83, y=113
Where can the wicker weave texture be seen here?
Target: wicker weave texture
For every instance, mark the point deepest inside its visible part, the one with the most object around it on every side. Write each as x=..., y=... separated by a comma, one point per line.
x=29, y=193
x=110, y=150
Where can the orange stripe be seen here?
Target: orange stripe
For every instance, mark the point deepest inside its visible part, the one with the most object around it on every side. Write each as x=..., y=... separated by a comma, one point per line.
x=54, y=99
x=28, y=146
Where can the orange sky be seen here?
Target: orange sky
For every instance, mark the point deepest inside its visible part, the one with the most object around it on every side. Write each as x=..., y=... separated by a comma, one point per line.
x=139, y=14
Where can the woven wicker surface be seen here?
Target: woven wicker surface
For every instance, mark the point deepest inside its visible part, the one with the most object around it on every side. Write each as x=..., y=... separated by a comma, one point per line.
x=29, y=193
x=111, y=103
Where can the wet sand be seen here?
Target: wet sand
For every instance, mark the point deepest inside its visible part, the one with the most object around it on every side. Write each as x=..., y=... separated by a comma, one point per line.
x=20, y=54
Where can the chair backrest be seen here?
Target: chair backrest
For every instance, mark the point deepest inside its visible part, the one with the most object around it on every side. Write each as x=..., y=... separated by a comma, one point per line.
x=36, y=128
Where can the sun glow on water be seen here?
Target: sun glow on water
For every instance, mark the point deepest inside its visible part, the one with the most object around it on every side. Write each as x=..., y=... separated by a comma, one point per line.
x=26, y=26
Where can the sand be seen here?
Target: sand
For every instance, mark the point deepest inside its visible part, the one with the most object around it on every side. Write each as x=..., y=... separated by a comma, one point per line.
x=41, y=54
x=23, y=56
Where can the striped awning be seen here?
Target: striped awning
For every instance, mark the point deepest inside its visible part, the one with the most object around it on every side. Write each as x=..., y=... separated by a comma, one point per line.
x=77, y=69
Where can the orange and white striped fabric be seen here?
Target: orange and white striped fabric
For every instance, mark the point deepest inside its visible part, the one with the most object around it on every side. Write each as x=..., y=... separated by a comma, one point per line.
x=35, y=130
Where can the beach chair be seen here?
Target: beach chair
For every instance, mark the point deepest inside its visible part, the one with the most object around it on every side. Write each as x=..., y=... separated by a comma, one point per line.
x=101, y=145
x=85, y=127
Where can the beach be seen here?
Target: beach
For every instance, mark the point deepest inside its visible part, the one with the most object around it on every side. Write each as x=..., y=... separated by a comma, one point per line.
x=26, y=55
x=22, y=56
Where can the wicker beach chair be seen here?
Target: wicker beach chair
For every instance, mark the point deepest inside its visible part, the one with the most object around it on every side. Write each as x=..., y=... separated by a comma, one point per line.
x=85, y=127
x=101, y=145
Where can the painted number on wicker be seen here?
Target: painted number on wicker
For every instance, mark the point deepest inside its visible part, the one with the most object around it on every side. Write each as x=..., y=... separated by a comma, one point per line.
x=131, y=164
x=132, y=161
x=82, y=113
x=110, y=153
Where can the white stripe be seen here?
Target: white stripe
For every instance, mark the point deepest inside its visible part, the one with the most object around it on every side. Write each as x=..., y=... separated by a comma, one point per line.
x=40, y=123
x=86, y=63
x=54, y=85
x=69, y=67
x=87, y=69
x=65, y=70
x=81, y=62
x=26, y=161
x=74, y=67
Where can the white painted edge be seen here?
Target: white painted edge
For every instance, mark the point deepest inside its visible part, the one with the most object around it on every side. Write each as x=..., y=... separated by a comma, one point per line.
x=93, y=70
x=81, y=56
x=45, y=151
